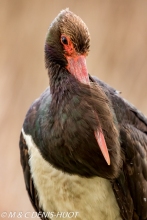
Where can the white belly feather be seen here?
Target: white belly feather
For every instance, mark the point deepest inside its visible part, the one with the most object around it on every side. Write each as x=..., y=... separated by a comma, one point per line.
x=92, y=198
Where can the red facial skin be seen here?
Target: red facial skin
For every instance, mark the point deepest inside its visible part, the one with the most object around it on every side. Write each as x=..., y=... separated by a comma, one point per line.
x=77, y=67
x=76, y=62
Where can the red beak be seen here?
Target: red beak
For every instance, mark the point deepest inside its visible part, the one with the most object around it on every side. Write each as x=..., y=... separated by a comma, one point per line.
x=77, y=67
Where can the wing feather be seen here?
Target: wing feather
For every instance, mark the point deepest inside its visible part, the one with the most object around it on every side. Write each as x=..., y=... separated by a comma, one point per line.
x=134, y=144
x=130, y=187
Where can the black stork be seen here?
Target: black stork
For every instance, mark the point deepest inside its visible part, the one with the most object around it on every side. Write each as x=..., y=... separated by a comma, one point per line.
x=83, y=148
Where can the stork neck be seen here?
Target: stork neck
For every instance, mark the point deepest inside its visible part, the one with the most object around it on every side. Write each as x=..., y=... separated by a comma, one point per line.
x=59, y=83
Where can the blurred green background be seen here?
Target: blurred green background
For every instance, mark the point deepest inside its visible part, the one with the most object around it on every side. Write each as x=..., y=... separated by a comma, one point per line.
x=118, y=56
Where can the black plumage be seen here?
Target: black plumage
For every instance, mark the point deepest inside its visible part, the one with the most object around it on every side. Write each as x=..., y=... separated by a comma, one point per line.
x=63, y=120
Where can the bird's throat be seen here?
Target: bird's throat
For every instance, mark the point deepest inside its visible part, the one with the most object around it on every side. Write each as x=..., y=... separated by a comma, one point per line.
x=77, y=67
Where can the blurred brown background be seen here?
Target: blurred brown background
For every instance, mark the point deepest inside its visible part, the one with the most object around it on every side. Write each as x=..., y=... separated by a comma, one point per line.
x=118, y=56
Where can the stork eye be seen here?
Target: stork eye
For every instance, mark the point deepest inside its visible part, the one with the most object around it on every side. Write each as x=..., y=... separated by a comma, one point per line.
x=64, y=40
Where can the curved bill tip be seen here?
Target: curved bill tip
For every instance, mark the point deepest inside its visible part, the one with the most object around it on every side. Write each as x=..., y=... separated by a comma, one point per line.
x=102, y=144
